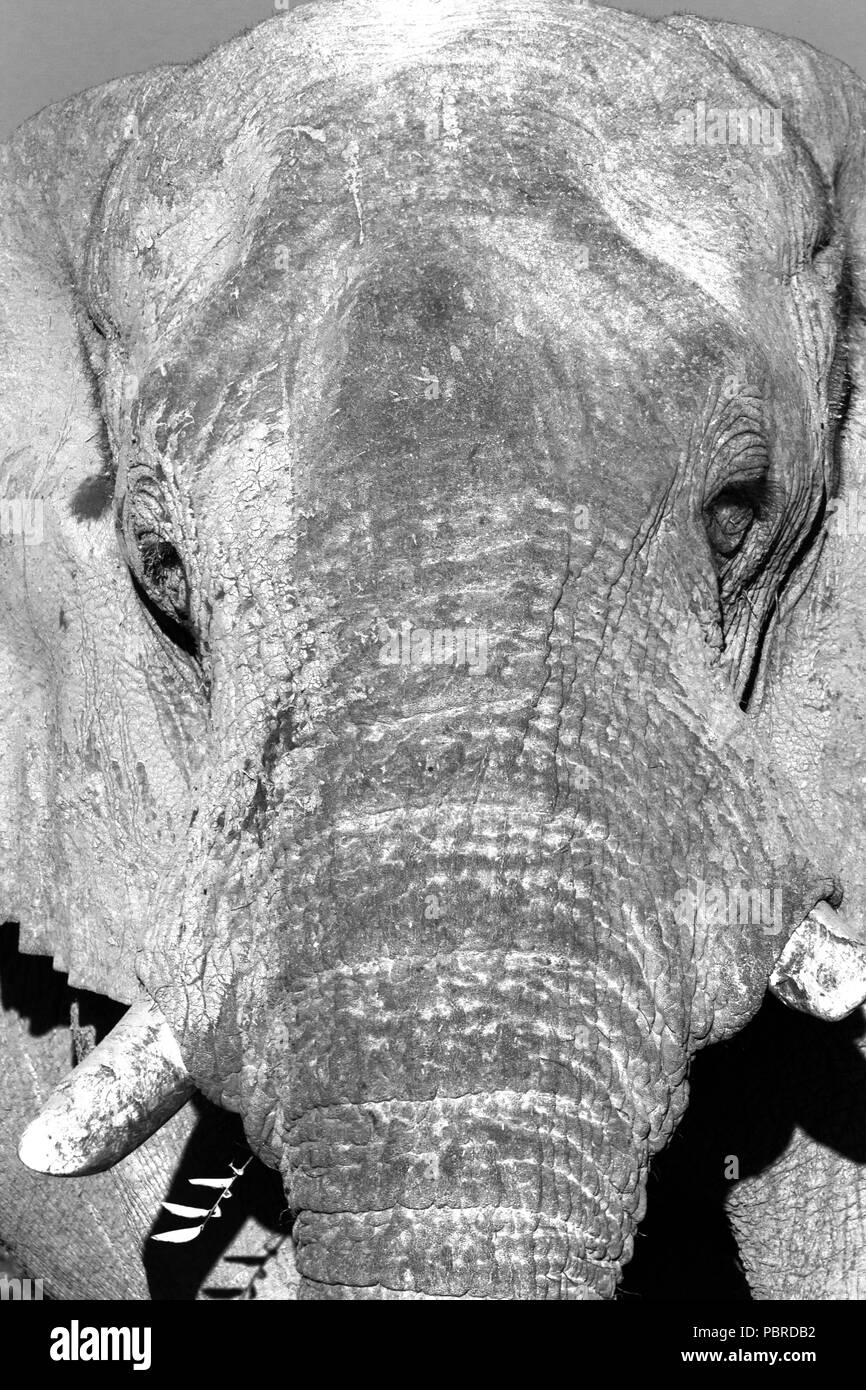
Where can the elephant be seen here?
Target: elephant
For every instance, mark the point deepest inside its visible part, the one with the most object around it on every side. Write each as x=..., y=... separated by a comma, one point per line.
x=432, y=629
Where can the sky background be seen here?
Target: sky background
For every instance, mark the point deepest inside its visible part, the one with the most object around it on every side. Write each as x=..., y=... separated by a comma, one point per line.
x=52, y=48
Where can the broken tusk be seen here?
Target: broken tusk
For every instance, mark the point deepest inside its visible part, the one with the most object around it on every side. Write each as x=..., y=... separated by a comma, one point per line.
x=822, y=970
x=122, y=1092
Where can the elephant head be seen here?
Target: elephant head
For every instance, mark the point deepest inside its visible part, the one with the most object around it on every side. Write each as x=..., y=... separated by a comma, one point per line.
x=430, y=419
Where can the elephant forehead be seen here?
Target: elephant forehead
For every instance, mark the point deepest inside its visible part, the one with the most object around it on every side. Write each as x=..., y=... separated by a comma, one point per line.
x=358, y=231
x=474, y=353
x=326, y=131
x=445, y=364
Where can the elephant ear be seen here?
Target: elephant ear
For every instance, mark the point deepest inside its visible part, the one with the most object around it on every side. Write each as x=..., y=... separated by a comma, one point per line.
x=810, y=701
x=93, y=774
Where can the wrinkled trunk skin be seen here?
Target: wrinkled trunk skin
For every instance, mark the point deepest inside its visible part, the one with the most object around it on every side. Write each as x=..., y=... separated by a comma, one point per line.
x=464, y=1021
x=424, y=939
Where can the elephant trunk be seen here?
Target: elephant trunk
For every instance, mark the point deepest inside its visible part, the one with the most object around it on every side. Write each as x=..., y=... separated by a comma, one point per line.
x=470, y=1045
x=450, y=984
x=471, y=1131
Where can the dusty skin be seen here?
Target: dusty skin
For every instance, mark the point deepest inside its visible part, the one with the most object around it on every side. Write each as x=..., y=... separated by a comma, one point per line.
x=529, y=320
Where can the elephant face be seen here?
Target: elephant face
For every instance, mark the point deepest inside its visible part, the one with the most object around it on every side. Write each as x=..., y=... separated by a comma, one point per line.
x=388, y=685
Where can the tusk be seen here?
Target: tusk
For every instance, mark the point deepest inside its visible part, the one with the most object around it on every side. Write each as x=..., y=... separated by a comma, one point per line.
x=822, y=970
x=122, y=1092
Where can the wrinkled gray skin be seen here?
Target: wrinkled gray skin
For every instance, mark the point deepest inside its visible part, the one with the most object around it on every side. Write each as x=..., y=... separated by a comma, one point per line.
x=425, y=315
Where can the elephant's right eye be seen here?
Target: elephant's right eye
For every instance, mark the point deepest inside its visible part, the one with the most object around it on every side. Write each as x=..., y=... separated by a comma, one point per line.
x=164, y=573
x=161, y=582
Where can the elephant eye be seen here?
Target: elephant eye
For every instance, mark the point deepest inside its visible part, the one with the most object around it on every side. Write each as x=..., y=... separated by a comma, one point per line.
x=729, y=516
x=163, y=571
x=160, y=580
x=728, y=520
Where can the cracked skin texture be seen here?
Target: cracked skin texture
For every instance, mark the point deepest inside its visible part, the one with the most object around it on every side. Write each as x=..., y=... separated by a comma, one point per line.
x=353, y=364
